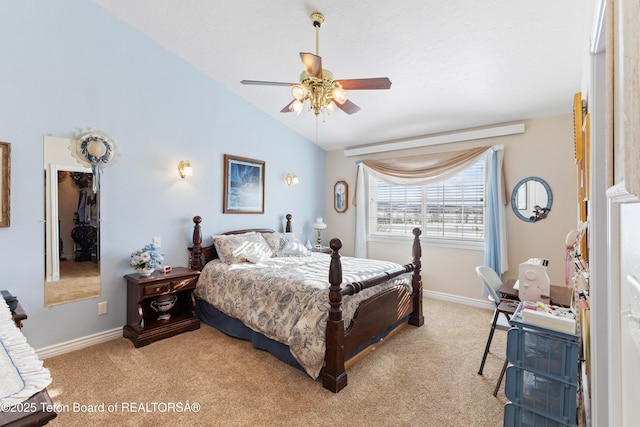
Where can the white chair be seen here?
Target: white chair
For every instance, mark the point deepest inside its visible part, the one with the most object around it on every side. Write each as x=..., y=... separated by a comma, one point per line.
x=501, y=314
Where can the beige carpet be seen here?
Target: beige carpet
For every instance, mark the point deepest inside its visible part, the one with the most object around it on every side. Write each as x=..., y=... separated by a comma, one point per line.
x=423, y=376
x=78, y=280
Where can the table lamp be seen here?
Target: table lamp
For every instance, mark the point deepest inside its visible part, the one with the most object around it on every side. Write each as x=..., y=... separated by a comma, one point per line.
x=319, y=225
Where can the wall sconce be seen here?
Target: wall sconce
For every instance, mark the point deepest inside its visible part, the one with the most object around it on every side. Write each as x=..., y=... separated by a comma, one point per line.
x=291, y=179
x=184, y=169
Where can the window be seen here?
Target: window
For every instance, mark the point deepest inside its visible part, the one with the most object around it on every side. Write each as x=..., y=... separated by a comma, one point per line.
x=449, y=210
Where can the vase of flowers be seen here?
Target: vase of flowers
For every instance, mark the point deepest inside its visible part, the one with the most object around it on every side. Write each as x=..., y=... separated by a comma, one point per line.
x=146, y=260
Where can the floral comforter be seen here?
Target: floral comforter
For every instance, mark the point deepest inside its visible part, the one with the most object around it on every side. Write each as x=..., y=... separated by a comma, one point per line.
x=287, y=298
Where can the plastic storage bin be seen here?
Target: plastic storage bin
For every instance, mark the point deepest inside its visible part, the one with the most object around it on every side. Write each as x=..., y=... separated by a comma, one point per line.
x=542, y=381
x=516, y=416
x=540, y=394
x=545, y=353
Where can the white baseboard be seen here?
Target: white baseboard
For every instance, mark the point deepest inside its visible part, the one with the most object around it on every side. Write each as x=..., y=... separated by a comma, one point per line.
x=78, y=343
x=459, y=300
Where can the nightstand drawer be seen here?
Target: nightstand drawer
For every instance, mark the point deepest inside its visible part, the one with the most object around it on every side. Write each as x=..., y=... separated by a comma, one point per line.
x=156, y=289
x=159, y=288
x=180, y=285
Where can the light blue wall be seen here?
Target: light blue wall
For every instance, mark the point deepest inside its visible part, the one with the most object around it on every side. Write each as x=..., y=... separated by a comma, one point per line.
x=69, y=65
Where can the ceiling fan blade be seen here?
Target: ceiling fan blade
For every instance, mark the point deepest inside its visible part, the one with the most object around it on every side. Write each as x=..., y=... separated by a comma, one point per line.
x=366, y=84
x=258, y=82
x=312, y=64
x=348, y=107
x=287, y=108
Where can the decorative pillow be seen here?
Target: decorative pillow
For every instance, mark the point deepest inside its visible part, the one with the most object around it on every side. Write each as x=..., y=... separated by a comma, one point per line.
x=293, y=248
x=223, y=244
x=235, y=248
x=276, y=241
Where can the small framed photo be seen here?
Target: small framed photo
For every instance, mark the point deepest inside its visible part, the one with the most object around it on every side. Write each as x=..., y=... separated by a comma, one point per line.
x=243, y=185
x=5, y=183
x=341, y=196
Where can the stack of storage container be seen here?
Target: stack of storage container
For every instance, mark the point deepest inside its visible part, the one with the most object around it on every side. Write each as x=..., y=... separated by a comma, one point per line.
x=542, y=379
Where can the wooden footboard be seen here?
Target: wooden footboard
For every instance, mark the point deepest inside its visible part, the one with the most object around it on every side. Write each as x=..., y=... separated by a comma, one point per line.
x=374, y=316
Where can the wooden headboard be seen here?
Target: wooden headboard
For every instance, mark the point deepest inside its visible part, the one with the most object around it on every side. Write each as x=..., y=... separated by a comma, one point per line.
x=200, y=255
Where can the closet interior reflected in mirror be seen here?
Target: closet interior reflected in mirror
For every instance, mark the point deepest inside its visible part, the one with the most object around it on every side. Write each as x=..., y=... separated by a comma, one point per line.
x=72, y=232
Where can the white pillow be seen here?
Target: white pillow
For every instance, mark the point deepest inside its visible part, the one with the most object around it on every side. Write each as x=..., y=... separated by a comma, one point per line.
x=235, y=248
x=276, y=241
x=293, y=247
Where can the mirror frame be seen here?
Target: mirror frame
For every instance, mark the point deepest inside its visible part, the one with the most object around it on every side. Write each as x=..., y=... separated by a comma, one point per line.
x=514, y=194
x=57, y=158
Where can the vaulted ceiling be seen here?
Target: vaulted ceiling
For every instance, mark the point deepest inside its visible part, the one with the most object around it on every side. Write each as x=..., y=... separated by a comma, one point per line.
x=453, y=65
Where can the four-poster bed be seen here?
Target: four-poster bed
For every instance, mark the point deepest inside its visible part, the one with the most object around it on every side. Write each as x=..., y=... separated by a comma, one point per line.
x=350, y=316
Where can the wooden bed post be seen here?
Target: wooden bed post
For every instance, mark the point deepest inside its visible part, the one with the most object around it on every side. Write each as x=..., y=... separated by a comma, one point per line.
x=417, y=318
x=334, y=376
x=196, y=251
x=287, y=227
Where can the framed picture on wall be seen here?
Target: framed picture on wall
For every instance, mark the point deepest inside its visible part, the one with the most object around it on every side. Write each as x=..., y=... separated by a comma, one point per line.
x=243, y=185
x=5, y=183
x=341, y=196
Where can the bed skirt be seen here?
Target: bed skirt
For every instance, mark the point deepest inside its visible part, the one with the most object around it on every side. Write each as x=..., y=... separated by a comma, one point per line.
x=235, y=328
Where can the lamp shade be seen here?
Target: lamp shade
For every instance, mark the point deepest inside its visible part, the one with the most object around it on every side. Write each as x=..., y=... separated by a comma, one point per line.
x=319, y=225
x=299, y=92
x=339, y=95
x=185, y=169
x=296, y=107
x=292, y=179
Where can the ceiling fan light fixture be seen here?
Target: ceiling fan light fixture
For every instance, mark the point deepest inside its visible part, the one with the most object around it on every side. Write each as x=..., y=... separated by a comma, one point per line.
x=299, y=92
x=338, y=94
x=296, y=107
x=316, y=84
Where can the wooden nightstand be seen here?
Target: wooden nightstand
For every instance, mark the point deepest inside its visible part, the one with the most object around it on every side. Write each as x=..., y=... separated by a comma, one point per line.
x=143, y=326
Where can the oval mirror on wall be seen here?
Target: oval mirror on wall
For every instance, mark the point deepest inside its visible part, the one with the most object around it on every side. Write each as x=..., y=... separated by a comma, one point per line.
x=531, y=199
x=72, y=238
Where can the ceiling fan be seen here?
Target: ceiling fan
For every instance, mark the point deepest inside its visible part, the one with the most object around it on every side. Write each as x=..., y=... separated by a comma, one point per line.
x=318, y=86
